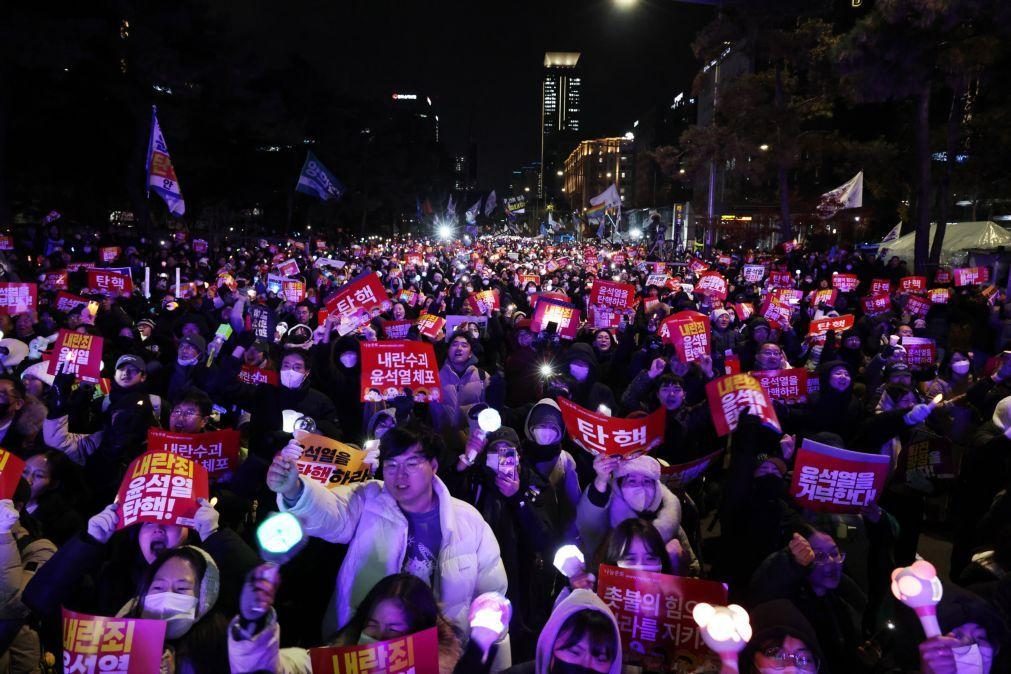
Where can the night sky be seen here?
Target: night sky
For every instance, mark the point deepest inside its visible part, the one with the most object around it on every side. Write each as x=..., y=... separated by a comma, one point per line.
x=481, y=64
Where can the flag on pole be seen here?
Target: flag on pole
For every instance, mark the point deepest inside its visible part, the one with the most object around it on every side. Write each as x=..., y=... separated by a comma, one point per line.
x=316, y=181
x=489, y=204
x=471, y=213
x=848, y=195
x=596, y=212
x=451, y=207
x=161, y=177
x=893, y=234
x=609, y=198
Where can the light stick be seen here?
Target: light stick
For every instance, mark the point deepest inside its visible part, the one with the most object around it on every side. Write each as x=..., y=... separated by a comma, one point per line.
x=569, y=560
x=918, y=587
x=725, y=629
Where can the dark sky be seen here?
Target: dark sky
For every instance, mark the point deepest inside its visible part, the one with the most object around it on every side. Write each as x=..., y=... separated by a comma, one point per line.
x=481, y=63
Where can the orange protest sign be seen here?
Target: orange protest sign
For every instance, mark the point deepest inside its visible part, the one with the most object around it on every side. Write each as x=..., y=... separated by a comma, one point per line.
x=11, y=468
x=122, y=645
x=331, y=463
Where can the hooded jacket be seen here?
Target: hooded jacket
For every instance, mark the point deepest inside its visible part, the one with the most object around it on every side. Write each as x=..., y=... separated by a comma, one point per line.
x=589, y=393
x=773, y=621
x=459, y=393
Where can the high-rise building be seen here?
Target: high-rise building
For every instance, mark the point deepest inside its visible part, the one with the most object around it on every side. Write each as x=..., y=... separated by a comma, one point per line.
x=594, y=165
x=415, y=113
x=561, y=108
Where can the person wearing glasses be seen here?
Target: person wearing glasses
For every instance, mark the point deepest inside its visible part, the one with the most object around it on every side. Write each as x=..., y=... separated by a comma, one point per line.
x=407, y=522
x=782, y=641
x=809, y=573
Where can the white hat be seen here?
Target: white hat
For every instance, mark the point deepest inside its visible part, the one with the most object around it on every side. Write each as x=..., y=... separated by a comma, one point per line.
x=1002, y=414
x=17, y=351
x=643, y=465
x=39, y=371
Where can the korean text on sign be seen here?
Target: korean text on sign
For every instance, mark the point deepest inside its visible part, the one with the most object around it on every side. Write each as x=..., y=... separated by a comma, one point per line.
x=363, y=292
x=93, y=644
x=216, y=451
x=731, y=396
x=17, y=298
x=331, y=463
x=109, y=282
x=416, y=653
x=601, y=434
x=562, y=314
x=612, y=294
x=829, y=479
x=77, y=354
x=690, y=333
x=654, y=616
x=788, y=386
x=393, y=368
x=161, y=487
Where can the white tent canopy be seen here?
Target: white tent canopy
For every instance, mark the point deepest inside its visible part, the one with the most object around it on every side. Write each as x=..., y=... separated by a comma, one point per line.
x=959, y=237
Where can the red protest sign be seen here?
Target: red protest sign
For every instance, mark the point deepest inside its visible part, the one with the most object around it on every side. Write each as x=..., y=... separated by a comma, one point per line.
x=108, y=282
x=971, y=276
x=605, y=317
x=563, y=314
x=161, y=487
x=780, y=279
x=429, y=325
x=484, y=302
x=697, y=266
x=942, y=276
x=875, y=305
x=416, y=653
x=408, y=296
x=917, y=305
x=744, y=310
x=258, y=375
x=837, y=323
x=690, y=333
x=787, y=386
x=108, y=254
x=116, y=645
x=683, y=474
x=828, y=296
x=199, y=246
x=56, y=280
x=913, y=284
x=293, y=291
x=397, y=329
x=612, y=294
x=787, y=295
x=658, y=280
x=654, y=616
x=554, y=265
x=526, y=279
x=11, y=468
x=754, y=273
x=216, y=451
x=736, y=394
x=939, y=295
x=288, y=268
x=399, y=367
x=6, y=242
x=881, y=286
x=776, y=312
x=920, y=350
x=601, y=434
x=829, y=479
x=18, y=298
x=77, y=354
x=724, y=260
x=712, y=284
x=355, y=300
x=845, y=283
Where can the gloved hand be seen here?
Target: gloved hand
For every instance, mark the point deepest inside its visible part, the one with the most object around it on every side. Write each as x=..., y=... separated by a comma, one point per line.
x=372, y=455
x=205, y=521
x=102, y=526
x=59, y=395
x=8, y=516
x=918, y=414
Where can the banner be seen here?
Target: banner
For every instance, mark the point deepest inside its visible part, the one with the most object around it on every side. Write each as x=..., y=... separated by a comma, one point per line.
x=316, y=181
x=920, y=351
x=881, y=286
x=787, y=386
x=845, y=283
x=77, y=354
x=833, y=480
x=526, y=279
x=109, y=254
x=355, y=300
x=484, y=302
x=106, y=281
x=913, y=284
x=216, y=451
x=971, y=276
x=754, y=273
x=18, y=298
x=602, y=434
x=612, y=294
x=736, y=394
x=288, y=268
x=161, y=176
x=11, y=468
x=331, y=463
x=654, y=615
x=836, y=323
x=683, y=474
x=939, y=295
x=562, y=314
x=875, y=305
x=258, y=375
x=416, y=653
x=690, y=333
x=161, y=487
x=117, y=645
x=396, y=329
x=399, y=367
x=712, y=284
x=429, y=325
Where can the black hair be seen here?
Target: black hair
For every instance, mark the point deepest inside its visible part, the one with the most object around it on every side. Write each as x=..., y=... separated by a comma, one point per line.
x=416, y=600
x=592, y=624
x=397, y=441
x=302, y=355
x=620, y=538
x=198, y=398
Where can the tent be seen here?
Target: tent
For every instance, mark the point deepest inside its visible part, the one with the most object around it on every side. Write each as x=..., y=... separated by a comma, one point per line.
x=959, y=237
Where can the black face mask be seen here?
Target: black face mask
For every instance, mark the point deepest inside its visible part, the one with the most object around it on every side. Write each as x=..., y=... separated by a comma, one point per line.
x=559, y=667
x=4, y=409
x=538, y=453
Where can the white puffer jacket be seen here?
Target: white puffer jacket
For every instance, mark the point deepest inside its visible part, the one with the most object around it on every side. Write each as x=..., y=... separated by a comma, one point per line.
x=367, y=518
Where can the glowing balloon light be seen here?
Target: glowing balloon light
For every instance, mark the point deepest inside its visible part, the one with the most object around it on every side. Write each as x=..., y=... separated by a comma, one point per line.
x=489, y=420
x=569, y=560
x=725, y=629
x=280, y=537
x=918, y=587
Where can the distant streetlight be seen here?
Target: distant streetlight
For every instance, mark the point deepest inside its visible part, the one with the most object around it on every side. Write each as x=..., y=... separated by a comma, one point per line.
x=625, y=4
x=763, y=147
x=526, y=189
x=559, y=173
x=608, y=174
x=681, y=171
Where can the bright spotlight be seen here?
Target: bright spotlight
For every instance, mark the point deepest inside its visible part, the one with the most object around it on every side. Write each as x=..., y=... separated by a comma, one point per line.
x=445, y=232
x=635, y=233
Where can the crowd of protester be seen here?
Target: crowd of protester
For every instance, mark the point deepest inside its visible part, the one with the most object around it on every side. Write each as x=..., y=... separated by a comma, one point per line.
x=453, y=513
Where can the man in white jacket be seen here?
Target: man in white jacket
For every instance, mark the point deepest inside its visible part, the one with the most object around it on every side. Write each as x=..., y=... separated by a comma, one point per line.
x=409, y=523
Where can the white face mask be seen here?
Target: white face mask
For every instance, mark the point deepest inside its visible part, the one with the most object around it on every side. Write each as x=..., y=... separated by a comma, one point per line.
x=655, y=568
x=960, y=367
x=971, y=660
x=635, y=497
x=545, y=436
x=579, y=371
x=291, y=379
x=365, y=639
x=349, y=359
x=186, y=362
x=179, y=611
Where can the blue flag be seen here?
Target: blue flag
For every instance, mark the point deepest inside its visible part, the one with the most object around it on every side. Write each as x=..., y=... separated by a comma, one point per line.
x=316, y=181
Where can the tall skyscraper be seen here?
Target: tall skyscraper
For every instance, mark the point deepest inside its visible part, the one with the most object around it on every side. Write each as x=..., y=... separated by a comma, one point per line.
x=561, y=107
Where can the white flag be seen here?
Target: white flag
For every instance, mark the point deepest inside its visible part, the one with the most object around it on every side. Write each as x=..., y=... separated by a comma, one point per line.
x=609, y=197
x=893, y=234
x=848, y=195
x=489, y=204
x=471, y=213
x=161, y=177
x=451, y=207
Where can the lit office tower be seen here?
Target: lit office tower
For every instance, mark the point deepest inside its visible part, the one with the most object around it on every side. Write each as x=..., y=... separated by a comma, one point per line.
x=561, y=104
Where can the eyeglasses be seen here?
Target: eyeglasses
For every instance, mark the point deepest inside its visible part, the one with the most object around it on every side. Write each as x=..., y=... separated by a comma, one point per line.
x=184, y=413
x=781, y=659
x=409, y=466
x=826, y=557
